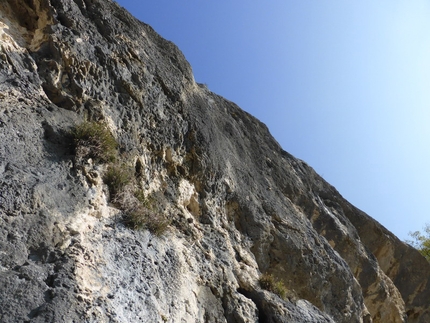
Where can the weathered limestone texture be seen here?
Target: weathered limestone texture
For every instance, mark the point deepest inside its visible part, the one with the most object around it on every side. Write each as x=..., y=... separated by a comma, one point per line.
x=238, y=205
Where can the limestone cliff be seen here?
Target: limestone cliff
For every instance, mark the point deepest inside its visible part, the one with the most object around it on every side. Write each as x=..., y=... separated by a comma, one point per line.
x=239, y=207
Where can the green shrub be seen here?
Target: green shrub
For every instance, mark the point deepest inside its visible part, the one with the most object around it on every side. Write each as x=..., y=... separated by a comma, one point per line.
x=421, y=241
x=270, y=283
x=94, y=140
x=116, y=178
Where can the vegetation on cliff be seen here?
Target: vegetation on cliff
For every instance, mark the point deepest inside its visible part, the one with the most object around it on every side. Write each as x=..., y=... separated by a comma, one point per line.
x=94, y=140
x=158, y=147
x=421, y=241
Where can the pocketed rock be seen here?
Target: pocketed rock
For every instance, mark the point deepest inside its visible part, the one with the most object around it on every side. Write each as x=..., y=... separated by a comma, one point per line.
x=238, y=205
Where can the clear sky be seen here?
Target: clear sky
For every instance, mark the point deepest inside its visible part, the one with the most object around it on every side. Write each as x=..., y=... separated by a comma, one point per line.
x=343, y=85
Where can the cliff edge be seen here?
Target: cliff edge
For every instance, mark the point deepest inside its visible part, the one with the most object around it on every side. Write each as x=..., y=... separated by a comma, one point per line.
x=251, y=233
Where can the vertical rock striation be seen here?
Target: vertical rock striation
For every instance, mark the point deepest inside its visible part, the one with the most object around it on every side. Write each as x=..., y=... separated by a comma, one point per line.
x=239, y=206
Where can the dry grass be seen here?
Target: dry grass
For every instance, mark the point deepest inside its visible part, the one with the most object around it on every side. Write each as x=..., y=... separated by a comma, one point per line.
x=117, y=177
x=94, y=140
x=141, y=213
x=270, y=283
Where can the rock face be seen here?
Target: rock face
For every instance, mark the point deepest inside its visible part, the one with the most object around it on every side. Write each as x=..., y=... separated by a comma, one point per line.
x=239, y=206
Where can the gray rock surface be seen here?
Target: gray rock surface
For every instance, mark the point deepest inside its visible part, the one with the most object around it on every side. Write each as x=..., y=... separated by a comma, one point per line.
x=239, y=205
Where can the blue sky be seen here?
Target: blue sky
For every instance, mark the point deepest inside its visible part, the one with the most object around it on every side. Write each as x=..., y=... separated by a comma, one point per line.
x=342, y=85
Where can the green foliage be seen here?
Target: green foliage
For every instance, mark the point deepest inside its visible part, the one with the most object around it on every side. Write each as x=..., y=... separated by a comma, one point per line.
x=421, y=241
x=94, y=140
x=117, y=177
x=270, y=283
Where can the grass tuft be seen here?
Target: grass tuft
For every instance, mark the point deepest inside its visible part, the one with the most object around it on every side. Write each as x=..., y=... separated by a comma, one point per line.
x=94, y=140
x=270, y=283
x=116, y=178
x=142, y=218
x=140, y=212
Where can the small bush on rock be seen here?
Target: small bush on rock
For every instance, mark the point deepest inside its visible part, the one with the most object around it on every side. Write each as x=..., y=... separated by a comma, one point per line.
x=421, y=241
x=270, y=283
x=143, y=218
x=140, y=212
x=94, y=140
x=116, y=178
